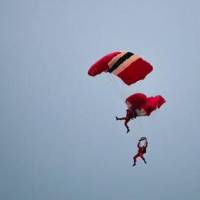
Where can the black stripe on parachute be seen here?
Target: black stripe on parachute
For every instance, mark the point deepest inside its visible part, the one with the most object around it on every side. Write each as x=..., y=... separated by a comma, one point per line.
x=120, y=61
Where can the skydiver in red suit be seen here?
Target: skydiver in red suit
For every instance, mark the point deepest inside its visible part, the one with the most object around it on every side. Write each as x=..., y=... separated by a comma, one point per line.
x=130, y=114
x=141, y=150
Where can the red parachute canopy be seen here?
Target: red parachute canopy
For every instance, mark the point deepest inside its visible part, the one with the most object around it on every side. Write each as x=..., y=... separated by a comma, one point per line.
x=136, y=100
x=145, y=105
x=129, y=67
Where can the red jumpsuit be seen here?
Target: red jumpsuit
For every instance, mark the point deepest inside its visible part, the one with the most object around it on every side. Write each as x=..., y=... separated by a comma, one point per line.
x=141, y=152
x=130, y=114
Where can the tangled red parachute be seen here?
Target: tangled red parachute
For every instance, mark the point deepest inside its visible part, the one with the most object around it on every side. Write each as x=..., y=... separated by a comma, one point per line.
x=129, y=67
x=140, y=105
x=143, y=105
x=136, y=100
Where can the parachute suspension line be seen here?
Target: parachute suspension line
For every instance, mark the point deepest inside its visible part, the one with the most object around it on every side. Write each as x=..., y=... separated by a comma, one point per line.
x=117, y=88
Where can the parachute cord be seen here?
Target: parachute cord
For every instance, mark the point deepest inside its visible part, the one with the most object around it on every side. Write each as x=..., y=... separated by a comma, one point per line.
x=117, y=88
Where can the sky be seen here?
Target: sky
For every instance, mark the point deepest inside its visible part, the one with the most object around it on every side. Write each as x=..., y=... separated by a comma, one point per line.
x=58, y=134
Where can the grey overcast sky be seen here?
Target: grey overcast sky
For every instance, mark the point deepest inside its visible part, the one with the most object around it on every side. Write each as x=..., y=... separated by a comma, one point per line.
x=58, y=136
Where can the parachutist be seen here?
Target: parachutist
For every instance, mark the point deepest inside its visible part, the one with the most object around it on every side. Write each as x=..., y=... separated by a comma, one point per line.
x=130, y=114
x=141, y=150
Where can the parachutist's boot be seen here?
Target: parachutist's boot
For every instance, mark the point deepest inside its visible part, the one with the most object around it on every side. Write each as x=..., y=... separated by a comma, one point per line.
x=127, y=130
x=133, y=164
x=144, y=161
x=116, y=118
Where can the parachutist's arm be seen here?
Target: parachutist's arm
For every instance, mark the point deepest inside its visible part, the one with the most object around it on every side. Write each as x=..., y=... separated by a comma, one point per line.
x=120, y=118
x=146, y=143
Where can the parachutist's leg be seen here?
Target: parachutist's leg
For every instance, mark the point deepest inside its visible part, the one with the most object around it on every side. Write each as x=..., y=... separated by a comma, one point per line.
x=127, y=129
x=135, y=159
x=143, y=159
x=120, y=118
x=126, y=124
